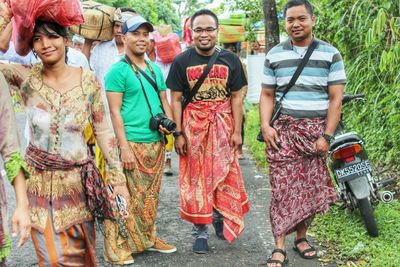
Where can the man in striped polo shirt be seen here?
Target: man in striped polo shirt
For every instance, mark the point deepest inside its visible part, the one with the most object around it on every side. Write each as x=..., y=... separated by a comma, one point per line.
x=298, y=142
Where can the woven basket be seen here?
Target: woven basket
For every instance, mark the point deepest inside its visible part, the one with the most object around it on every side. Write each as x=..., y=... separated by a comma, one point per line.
x=99, y=22
x=231, y=34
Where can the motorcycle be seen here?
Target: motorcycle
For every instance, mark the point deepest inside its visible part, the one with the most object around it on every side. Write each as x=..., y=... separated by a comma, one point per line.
x=356, y=183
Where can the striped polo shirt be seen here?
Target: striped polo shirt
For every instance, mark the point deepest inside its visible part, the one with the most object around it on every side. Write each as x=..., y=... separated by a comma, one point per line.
x=308, y=98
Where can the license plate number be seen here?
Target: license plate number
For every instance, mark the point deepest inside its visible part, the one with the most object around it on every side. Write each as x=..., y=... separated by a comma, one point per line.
x=354, y=170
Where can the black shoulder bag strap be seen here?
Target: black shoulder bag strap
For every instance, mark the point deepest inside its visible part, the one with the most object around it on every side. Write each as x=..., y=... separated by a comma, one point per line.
x=278, y=104
x=300, y=68
x=200, y=81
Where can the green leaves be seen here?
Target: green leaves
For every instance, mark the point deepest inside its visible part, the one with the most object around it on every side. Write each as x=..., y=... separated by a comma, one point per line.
x=366, y=32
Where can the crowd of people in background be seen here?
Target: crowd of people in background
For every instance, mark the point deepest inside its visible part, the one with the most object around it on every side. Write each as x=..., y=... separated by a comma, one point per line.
x=117, y=104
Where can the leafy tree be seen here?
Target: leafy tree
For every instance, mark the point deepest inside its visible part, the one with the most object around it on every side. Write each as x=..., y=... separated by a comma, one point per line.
x=186, y=8
x=253, y=14
x=167, y=15
x=367, y=34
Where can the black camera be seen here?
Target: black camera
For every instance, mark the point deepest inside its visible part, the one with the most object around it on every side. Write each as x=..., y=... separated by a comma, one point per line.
x=161, y=119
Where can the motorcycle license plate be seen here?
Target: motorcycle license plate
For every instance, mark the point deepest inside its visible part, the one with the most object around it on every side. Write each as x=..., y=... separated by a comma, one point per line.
x=353, y=171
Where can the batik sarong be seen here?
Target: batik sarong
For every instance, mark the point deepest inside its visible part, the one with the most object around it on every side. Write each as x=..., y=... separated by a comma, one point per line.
x=209, y=174
x=299, y=177
x=74, y=246
x=144, y=187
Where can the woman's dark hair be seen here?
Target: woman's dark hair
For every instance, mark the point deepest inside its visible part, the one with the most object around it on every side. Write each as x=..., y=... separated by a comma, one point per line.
x=49, y=28
x=234, y=47
x=204, y=12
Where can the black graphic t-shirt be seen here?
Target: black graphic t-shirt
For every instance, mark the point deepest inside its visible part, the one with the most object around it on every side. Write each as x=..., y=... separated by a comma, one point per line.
x=226, y=76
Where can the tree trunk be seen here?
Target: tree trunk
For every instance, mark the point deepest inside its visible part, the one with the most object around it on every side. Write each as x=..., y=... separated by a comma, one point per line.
x=271, y=24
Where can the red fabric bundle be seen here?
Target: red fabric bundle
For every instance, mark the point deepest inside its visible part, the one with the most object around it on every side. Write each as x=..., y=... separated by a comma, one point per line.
x=186, y=32
x=168, y=47
x=63, y=12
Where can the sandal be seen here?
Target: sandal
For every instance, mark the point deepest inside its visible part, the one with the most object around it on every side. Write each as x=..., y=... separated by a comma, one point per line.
x=307, y=250
x=283, y=263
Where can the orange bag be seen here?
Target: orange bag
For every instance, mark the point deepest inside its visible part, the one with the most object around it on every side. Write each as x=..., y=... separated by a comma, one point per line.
x=63, y=12
x=168, y=47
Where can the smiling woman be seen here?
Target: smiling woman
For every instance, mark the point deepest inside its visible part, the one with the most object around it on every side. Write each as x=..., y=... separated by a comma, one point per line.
x=49, y=41
x=59, y=101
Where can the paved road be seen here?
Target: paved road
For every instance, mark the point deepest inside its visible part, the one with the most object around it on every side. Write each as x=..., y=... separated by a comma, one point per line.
x=251, y=249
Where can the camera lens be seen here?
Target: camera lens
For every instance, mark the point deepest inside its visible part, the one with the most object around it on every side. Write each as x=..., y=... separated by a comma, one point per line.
x=168, y=124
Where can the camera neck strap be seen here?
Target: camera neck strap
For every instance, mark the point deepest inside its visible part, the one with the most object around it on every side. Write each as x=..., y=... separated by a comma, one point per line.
x=300, y=68
x=139, y=71
x=153, y=81
x=200, y=81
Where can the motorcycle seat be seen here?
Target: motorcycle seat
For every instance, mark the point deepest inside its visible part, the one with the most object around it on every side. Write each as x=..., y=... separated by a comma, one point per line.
x=345, y=138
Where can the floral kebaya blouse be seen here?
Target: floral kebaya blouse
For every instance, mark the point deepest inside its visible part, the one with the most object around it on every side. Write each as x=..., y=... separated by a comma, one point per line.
x=57, y=123
x=10, y=152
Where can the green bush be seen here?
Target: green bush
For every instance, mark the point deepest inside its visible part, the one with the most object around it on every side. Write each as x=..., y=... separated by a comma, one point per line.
x=348, y=241
x=256, y=148
x=367, y=34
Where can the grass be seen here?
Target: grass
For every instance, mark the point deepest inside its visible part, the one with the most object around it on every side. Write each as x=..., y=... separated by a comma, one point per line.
x=341, y=232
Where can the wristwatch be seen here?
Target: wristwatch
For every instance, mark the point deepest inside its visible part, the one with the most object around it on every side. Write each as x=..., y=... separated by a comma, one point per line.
x=177, y=133
x=327, y=137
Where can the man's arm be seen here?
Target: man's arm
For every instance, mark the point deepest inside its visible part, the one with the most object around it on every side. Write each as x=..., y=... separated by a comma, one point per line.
x=335, y=107
x=180, y=141
x=267, y=100
x=176, y=103
x=166, y=105
x=237, y=112
x=115, y=102
x=333, y=116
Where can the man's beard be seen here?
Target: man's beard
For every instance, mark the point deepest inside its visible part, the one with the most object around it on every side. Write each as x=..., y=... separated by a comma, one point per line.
x=206, y=49
x=301, y=38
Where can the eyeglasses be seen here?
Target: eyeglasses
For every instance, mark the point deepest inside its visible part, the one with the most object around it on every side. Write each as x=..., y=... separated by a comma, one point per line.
x=207, y=30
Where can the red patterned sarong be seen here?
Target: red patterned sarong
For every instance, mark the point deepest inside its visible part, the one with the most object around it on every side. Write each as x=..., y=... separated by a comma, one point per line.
x=209, y=174
x=301, y=186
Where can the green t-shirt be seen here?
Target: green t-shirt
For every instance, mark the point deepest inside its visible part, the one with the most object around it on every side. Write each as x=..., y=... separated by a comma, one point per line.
x=134, y=109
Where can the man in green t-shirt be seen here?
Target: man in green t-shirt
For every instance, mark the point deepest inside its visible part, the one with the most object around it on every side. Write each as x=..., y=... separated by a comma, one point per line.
x=136, y=93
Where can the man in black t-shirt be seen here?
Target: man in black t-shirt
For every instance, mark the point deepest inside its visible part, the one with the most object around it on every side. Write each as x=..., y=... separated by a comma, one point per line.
x=208, y=134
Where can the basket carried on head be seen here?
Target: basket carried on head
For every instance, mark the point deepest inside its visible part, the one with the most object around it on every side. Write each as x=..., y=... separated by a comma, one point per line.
x=99, y=22
x=231, y=34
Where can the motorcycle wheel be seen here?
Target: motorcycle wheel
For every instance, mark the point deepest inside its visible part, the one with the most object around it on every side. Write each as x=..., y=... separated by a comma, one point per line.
x=368, y=216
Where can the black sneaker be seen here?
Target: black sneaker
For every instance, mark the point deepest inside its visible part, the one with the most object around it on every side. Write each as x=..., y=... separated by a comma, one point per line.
x=200, y=245
x=219, y=229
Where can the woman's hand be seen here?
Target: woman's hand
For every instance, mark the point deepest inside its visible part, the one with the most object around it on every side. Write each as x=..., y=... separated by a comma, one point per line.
x=123, y=191
x=21, y=224
x=127, y=158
